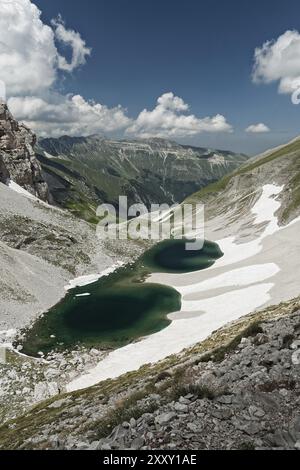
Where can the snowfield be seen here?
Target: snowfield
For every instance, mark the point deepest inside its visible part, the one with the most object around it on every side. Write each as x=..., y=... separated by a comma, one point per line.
x=245, y=279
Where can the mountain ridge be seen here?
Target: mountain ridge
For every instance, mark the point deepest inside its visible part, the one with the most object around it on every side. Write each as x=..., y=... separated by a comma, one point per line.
x=279, y=165
x=146, y=170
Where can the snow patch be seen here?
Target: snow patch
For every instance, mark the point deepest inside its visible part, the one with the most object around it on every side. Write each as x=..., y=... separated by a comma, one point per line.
x=23, y=192
x=18, y=189
x=90, y=278
x=236, y=277
x=264, y=211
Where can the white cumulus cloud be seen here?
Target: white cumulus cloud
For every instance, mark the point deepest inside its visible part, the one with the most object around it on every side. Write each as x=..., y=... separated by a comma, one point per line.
x=29, y=66
x=258, y=128
x=168, y=120
x=31, y=62
x=279, y=60
x=71, y=115
x=28, y=55
x=75, y=41
x=29, y=58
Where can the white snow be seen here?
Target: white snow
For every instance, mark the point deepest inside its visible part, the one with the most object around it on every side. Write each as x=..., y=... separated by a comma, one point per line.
x=90, y=278
x=48, y=155
x=8, y=334
x=236, y=277
x=199, y=318
x=264, y=211
x=266, y=207
x=18, y=189
x=23, y=192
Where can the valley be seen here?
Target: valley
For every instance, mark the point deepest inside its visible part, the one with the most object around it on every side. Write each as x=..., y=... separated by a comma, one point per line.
x=85, y=172
x=77, y=312
x=149, y=231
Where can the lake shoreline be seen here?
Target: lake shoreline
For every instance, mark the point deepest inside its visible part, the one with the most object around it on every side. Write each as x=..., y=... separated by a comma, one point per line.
x=117, y=307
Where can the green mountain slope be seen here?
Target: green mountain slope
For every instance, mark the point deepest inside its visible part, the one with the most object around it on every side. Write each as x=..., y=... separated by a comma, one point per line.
x=83, y=172
x=281, y=166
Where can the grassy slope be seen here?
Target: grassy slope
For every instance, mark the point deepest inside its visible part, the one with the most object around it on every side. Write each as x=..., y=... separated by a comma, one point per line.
x=290, y=151
x=77, y=198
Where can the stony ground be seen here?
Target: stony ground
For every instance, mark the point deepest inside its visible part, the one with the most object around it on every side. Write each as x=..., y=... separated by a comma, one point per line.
x=26, y=381
x=251, y=399
x=239, y=389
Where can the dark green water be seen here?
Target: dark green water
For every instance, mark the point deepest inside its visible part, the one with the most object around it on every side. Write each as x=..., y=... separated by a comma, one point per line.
x=121, y=307
x=171, y=256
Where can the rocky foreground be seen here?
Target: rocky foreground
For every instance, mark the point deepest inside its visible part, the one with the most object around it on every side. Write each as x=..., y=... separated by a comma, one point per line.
x=239, y=389
x=251, y=399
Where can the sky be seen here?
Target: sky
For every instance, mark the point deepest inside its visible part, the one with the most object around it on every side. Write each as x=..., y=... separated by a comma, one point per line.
x=218, y=74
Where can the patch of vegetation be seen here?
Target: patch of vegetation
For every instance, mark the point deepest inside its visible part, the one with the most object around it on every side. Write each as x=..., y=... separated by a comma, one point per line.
x=164, y=375
x=213, y=188
x=198, y=390
x=130, y=407
x=286, y=150
x=219, y=354
x=83, y=210
x=294, y=190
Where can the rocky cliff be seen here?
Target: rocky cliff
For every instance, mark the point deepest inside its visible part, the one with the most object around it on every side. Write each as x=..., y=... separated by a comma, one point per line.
x=17, y=157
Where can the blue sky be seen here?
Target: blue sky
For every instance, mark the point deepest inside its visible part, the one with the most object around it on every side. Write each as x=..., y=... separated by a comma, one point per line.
x=200, y=51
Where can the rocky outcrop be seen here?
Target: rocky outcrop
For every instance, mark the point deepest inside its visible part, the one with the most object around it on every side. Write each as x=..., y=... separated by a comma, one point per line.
x=4, y=175
x=17, y=157
x=41, y=248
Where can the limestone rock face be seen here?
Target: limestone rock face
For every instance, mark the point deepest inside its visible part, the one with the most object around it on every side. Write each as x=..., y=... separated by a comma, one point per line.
x=17, y=157
x=4, y=175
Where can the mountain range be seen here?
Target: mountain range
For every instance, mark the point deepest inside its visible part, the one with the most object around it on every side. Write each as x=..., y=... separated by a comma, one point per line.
x=83, y=172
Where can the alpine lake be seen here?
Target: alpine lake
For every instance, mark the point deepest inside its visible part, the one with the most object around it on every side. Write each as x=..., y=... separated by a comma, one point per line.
x=121, y=307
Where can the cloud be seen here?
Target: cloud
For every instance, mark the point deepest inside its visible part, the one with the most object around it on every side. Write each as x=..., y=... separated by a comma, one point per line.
x=29, y=58
x=31, y=63
x=257, y=128
x=28, y=55
x=77, y=44
x=167, y=120
x=279, y=60
x=71, y=115
x=29, y=67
